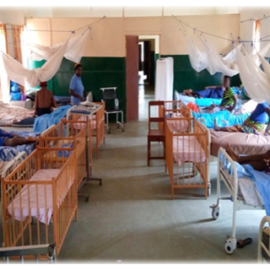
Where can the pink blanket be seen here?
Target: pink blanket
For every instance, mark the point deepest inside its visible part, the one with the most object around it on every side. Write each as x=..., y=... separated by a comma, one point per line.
x=33, y=200
x=178, y=126
x=187, y=149
x=81, y=125
x=11, y=114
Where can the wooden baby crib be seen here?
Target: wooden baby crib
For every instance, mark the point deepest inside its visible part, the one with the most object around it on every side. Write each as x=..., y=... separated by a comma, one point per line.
x=187, y=147
x=40, y=190
x=97, y=126
x=69, y=134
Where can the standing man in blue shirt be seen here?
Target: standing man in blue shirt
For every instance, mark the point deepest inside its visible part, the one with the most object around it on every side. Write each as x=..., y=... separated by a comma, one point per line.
x=76, y=86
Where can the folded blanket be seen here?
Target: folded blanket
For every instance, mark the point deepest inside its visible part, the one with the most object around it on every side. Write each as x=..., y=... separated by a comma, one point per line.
x=45, y=121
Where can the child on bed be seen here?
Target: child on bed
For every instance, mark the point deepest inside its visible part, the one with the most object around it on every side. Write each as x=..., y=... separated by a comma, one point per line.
x=255, y=123
x=228, y=102
x=259, y=162
x=8, y=139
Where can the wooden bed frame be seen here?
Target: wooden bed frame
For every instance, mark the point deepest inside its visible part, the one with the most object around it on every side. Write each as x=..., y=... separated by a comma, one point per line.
x=194, y=132
x=30, y=230
x=72, y=134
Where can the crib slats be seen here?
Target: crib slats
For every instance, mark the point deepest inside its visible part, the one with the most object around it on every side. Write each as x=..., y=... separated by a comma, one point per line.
x=189, y=149
x=23, y=197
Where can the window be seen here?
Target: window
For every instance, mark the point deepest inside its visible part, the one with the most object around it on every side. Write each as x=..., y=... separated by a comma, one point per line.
x=257, y=34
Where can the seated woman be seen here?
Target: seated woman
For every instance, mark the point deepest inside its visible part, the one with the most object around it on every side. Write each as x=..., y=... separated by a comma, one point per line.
x=259, y=162
x=44, y=101
x=254, y=124
x=210, y=91
x=228, y=102
x=8, y=139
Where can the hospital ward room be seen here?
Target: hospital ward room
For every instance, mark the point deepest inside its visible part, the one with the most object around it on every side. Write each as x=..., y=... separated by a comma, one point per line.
x=135, y=134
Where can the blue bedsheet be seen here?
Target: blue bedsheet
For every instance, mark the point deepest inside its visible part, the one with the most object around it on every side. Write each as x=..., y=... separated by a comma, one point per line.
x=205, y=102
x=201, y=102
x=210, y=93
x=7, y=153
x=262, y=182
x=45, y=121
x=219, y=116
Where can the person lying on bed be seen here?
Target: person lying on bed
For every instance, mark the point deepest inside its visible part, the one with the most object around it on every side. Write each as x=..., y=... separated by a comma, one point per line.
x=255, y=123
x=259, y=162
x=44, y=101
x=210, y=91
x=8, y=139
x=228, y=102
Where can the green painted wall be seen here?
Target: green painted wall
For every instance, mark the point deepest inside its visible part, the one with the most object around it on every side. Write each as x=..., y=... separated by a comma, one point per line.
x=185, y=77
x=97, y=72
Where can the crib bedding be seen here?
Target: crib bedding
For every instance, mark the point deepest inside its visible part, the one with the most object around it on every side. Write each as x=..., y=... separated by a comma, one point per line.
x=241, y=143
x=187, y=149
x=12, y=114
x=7, y=153
x=177, y=126
x=36, y=194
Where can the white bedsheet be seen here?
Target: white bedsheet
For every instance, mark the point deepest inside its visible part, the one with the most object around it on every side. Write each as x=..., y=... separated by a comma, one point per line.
x=187, y=149
x=40, y=206
x=248, y=190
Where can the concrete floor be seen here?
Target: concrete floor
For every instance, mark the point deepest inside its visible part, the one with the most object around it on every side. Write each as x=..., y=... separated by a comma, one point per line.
x=131, y=218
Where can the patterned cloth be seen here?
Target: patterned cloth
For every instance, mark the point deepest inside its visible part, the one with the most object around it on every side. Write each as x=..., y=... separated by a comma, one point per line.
x=227, y=99
x=249, y=127
x=7, y=153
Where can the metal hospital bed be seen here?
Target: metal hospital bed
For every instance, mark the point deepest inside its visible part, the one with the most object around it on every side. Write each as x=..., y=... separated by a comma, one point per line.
x=29, y=253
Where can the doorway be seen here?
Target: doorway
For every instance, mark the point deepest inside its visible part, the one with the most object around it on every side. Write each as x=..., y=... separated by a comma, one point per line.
x=148, y=54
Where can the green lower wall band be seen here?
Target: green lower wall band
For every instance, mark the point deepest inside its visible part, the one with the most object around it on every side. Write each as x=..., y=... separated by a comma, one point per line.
x=111, y=71
x=185, y=77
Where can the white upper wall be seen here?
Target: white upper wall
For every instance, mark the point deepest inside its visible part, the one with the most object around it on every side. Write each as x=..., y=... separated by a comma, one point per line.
x=183, y=10
x=62, y=11
x=38, y=11
x=80, y=11
x=11, y=16
x=17, y=15
x=228, y=9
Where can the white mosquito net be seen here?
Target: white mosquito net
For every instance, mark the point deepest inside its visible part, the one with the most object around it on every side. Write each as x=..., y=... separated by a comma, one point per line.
x=17, y=73
x=73, y=52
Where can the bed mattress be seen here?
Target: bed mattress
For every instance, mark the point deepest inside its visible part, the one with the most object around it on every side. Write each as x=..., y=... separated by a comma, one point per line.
x=241, y=143
x=25, y=203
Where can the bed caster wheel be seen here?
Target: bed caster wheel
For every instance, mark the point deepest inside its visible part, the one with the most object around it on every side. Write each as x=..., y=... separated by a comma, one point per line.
x=109, y=131
x=123, y=129
x=230, y=245
x=215, y=211
x=87, y=199
x=118, y=126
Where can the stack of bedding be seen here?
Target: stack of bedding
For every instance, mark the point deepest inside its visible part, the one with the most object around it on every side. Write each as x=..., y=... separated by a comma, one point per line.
x=11, y=114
